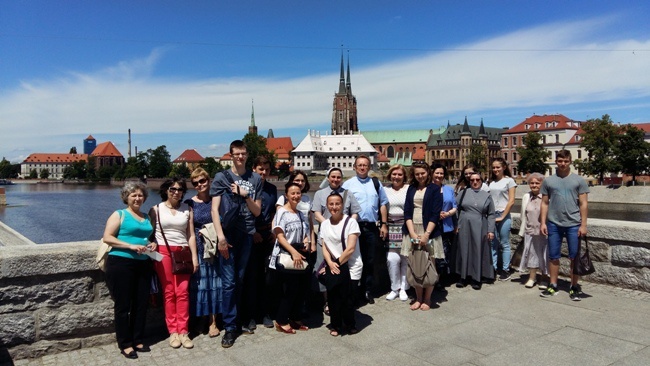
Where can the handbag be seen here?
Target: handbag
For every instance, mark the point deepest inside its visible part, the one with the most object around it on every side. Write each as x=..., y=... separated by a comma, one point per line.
x=515, y=261
x=210, y=240
x=102, y=251
x=582, y=264
x=326, y=277
x=181, y=261
x=421, y=270
x=284, y=260
x=229, y=207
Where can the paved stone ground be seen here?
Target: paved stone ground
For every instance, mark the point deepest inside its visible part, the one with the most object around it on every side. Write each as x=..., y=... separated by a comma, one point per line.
x=502, y=324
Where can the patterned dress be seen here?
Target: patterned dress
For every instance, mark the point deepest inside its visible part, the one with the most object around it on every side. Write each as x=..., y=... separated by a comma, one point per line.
x=205, y=284
x=396, y=199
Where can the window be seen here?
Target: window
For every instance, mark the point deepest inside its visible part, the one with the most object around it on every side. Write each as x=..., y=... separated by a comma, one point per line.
x=557, y=138
x=505, y=156
x=391, y=152
x=579, y=154
x=514, y=140
x=514, y=156
x=543, y=139
x=527, y=126
x=505, y=141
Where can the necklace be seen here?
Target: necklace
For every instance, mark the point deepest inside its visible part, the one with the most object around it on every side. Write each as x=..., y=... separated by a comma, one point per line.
x=170, y=206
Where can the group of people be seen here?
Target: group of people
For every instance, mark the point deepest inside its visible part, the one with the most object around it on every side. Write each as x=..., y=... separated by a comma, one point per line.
x=281, y=246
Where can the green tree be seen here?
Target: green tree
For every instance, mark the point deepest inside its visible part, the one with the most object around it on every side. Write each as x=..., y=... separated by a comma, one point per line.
x=33, y=174
x=256, y=146
x=599, y=140
x=45, y=173
x=532, y=156
x=137, y=166
x=76, y=170
x=632, y=152
x=180, y=170
x=6, y=170
x=212, y=166
x=73, y=150
x=478, y=157
x=160, y=162
x=284, y=170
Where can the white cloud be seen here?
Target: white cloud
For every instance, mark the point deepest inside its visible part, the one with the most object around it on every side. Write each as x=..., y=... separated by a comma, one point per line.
x=551, y=65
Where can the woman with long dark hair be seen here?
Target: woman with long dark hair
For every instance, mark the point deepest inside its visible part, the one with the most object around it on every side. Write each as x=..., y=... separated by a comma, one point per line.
x=174, y=224
x=447, y=219
x=502, y=189
x=421, y=221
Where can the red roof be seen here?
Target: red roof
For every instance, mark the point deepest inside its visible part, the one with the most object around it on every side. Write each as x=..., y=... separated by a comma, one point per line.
x=419, y=154
x=544, y=123
x=189, y=156
x=281, y=146
x=55, y=158
x=381, y=158
x=90, y=137
x=643, y=126
x=106, y=149
x=226, y=157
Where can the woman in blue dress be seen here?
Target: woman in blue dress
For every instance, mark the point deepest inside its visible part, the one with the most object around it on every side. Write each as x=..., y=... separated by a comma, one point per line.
x=205, y=285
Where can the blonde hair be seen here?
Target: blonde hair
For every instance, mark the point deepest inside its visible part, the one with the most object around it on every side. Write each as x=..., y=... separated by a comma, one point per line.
x=199, y=172
x=394, y=168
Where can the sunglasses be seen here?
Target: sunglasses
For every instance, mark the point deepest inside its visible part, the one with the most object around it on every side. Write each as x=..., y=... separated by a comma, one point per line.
x=175, y=190
x=200, y=181
x=475, y=180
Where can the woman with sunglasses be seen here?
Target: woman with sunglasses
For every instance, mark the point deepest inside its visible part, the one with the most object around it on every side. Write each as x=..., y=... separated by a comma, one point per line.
x=475, y=230
x=205, y=284
x=463, y=180
x=300, y=178
x=173, y=221
x=421, y=217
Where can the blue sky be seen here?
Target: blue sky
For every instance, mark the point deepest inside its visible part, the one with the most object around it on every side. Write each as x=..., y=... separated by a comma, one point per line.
x=183, y=73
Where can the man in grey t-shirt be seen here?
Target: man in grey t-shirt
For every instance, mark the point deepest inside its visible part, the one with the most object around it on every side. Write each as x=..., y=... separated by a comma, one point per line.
x=563, y=214
x=235, y=245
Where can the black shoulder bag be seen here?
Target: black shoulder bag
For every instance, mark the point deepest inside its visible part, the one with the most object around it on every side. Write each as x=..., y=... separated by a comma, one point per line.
x=329, y=279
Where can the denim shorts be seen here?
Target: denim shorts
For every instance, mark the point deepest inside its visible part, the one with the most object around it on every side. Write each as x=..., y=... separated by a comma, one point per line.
x=555, y=235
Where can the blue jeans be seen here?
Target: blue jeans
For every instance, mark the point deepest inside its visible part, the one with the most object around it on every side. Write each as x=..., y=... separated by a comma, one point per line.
x=232, y=275
x=502, y=239
x=555, y=234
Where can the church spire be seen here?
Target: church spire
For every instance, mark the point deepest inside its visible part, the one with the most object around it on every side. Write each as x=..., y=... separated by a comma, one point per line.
x=466, y=127
x=348, y=83
x=342, y=79
x=252, y=129
x=481, y=130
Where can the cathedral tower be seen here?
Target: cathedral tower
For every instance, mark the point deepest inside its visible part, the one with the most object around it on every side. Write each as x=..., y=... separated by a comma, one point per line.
x=344, y=108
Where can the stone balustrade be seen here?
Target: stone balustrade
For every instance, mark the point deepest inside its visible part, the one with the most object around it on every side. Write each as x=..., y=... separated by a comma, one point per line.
x=53, y=298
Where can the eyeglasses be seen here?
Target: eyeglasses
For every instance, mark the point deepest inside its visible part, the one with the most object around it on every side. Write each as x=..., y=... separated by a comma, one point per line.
x=175, y=190
x=475, y=180
x=200, y=181
x=240, y=154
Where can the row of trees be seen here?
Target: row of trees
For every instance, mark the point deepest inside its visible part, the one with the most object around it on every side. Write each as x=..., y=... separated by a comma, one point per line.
x=610, y=148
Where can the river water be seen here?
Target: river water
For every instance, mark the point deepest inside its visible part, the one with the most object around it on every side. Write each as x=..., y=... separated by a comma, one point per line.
x=54, y=213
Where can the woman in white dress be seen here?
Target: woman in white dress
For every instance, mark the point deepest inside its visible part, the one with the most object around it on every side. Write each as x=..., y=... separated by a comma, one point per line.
x=396, y=263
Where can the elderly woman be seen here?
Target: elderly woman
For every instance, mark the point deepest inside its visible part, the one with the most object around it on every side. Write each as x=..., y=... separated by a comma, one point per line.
x=291, y=230
x=534, y=256
x=502, y=189
x=475, y=229
x=128, y=268
x=395, y=261
x=447, y=218
x=174, y=224
x=205, y=284
x=421, y=221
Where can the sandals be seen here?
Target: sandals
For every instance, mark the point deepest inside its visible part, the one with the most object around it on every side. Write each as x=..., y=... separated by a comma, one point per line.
x=334, y=333
x=298, y=325
x=213, y=331
x=279, y=328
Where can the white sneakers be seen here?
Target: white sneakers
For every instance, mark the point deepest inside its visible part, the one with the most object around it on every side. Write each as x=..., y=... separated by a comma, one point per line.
x=391, y=296
x=402, y=295
x=174, y=341
x=186, y=341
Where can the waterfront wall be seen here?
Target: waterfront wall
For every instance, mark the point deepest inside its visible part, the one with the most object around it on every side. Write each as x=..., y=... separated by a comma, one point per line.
x=53, y=298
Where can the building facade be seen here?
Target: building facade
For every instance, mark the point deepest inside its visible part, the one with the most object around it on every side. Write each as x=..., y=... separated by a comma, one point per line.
x=106, y=154
x=452, y=147
x=190, y=158
x=400, y=146
x=558, y=132
x=316, y=153
x=54, y=163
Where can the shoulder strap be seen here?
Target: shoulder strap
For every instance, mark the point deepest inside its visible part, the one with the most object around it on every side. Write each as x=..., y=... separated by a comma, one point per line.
x=345, y=224
x=375, y=181
x=161, y=229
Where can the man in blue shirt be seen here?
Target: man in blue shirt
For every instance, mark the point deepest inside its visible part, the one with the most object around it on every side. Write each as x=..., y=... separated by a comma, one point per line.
x=372, y=221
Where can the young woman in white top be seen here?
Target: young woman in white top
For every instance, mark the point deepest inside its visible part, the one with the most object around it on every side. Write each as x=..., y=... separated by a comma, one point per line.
x=502, y=189
x=343, y=259
x=176, y=220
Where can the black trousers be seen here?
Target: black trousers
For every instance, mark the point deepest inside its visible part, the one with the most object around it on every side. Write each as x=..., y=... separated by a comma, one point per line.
x=256, y=295
x=371, y=247
x=129, y=282
x=342, y=300
x=294, y=287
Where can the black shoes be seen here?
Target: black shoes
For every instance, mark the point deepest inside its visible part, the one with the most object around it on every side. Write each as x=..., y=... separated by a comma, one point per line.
x=130, y=355
x=461, y=283
x=504, y=275
x=228, y=339
x=476, y=285
x=249, y=328
x=369, y=298
x=144, y=348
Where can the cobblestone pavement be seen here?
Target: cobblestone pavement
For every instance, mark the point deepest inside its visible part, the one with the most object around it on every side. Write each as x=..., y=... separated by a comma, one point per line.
x=502, y=324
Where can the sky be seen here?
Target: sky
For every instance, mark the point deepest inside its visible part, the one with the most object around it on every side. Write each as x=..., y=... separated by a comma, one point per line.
x=185, y=74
